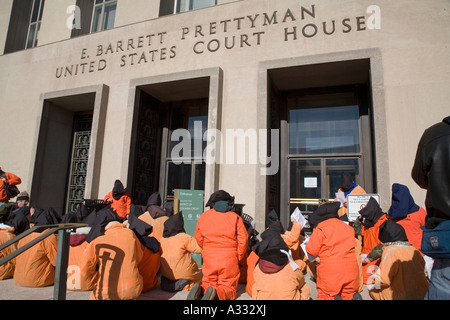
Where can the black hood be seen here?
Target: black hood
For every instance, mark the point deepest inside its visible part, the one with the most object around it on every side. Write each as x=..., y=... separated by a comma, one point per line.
x=391, y=231
x=154, y=200
x=102, y=218
x=220, y=195
x=174, y=225
x=346, y=181
x=276, y=228
x=44, y=217
x=371, y=213
x=324, y=212
x=19, y=222
x=269, y=250
x=271, y=218
x=142, y=230
x=119, y=190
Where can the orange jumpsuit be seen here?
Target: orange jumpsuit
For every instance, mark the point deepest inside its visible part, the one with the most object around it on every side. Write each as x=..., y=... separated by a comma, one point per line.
x=148, y=267
x=400, y=275
x=176, y=259
x=157, y=224
x=7, y=270
x=117, y=254
x=370, y=241
x=337, y=273
x=223, y=239
x=121, y=206
x=412, y=223
x=36, y=266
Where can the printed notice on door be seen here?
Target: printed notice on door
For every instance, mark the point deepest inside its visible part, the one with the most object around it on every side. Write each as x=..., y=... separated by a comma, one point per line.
x=356, y=202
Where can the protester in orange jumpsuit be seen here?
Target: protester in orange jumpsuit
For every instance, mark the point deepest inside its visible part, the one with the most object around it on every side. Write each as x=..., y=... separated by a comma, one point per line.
x=119, y=199
x=276, y=277
x=407, y=213
x=401, y=273
x=179, y=271
x=9, y=178
x=333, y=242
x=348, y=186
x=155, y=216
x=372, y=218
x=15, y=225
x=116, y=252
x=36, y=266
x=223, y=238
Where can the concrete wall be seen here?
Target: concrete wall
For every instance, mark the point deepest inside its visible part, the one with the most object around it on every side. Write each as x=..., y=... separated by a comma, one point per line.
x=411, y=76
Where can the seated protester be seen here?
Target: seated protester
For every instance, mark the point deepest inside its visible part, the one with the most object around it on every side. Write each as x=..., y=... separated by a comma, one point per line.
x=36, y=266
x=276, y=277
x=155, y=216
x=333, y=242
x=151, y=254
x=371, y=218
x=401, y=273
x=76, y=280
x=179, y=271
x=119, y=199
x=223, y=238
x=115, y=252
x=7, y=178
x=407, y=213
x=11, y=228
x=348, y=186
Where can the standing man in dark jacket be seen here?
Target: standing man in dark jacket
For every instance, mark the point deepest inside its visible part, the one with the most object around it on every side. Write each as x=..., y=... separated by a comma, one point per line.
x=431, y=171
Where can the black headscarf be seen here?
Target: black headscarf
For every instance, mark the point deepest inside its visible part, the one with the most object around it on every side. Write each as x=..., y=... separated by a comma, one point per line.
x=42, y=217
x=19, y=222
x=102, y=218
x=219, y=195
x=70, y=217
x=371, y=213
x=391, y=231
x=154, y=200
x=168, y=207
x=324, y=212
x=154, y=206
x=269, y=250
x=118, y=190
x=174, y=225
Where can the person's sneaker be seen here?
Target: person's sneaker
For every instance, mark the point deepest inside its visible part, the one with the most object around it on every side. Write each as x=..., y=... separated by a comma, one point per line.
x=210, y=294
x=338, y=297
x=195, y=292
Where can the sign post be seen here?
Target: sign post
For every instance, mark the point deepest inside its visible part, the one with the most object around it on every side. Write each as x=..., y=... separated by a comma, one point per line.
x=190, y=203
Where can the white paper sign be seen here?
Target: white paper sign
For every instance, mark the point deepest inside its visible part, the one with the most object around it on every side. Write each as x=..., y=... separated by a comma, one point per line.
x=299, y=217
x=340, y=196
x=303, y=246
x=310, y=182
x=356, y=202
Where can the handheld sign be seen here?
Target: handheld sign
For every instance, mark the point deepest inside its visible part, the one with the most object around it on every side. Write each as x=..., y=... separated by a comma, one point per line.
x=356, y=202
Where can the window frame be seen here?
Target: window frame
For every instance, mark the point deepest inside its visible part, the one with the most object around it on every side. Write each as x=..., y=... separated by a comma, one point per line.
x=101, y=17
x=36, y=24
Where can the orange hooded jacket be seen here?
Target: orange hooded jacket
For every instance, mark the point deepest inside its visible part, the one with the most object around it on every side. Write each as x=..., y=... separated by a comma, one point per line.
x=334, y=243
x=223, y=239
x=117, y=254
x=121, y=206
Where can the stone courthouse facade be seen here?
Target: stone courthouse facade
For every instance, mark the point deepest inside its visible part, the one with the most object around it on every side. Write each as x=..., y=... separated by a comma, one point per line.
x=270, y=100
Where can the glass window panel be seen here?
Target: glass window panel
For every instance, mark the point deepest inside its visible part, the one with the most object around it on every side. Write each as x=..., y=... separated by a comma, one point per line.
x=305, y=178
x=109, y=16
x=199, y=183
x=197, y=4
x=34, y=16
x=182, y=5
x=178, y=177
x=96, y=19
x=31, y=35
x=324, y=130
x=98, y=1
x=335, y=167
x=41, y=9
